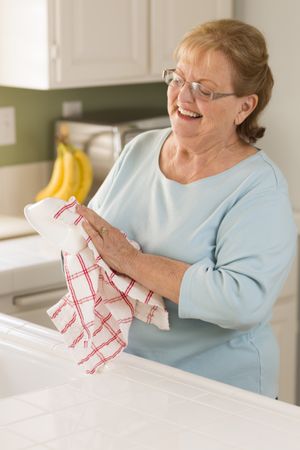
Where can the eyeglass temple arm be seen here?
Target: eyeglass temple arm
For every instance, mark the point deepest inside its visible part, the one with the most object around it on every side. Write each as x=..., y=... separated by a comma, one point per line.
x=217, y=95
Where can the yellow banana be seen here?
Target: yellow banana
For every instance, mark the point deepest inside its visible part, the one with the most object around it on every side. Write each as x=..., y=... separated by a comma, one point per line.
x=86, y=175
x=57, y=176
x=77, y=174
x=71, y=174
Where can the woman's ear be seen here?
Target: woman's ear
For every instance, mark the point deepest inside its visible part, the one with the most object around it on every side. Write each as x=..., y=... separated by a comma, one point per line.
x=247, y=105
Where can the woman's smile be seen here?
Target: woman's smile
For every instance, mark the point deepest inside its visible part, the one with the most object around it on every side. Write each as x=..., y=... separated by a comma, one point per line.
x=187, y=114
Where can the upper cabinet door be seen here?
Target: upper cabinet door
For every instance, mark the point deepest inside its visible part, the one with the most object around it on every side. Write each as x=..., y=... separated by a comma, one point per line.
x=171, y=20
x=98, y=42
x=50, y=44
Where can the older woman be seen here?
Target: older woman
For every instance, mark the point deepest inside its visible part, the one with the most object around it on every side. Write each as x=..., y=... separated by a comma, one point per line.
x=210, y=210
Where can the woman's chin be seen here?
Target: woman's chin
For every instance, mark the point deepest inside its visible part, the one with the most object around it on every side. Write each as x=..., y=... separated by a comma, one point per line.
x=185, y=125
x=186, y=129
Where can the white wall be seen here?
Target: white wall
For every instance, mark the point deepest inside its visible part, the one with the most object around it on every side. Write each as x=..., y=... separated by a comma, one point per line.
x=280, y=22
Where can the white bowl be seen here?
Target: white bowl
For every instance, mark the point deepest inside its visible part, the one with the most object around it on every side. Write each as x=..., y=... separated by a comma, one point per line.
x=66, y=237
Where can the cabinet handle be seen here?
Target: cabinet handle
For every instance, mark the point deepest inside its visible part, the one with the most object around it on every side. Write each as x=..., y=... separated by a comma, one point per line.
x=39, y=298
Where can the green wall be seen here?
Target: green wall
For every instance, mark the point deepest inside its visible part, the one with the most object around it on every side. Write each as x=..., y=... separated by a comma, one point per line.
x=36, y=112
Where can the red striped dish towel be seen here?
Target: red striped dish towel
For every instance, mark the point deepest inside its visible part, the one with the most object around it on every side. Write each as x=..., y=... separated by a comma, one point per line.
x=95, y=315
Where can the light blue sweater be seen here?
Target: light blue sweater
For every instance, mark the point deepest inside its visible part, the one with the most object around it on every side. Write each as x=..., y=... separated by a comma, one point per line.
x=236, y=229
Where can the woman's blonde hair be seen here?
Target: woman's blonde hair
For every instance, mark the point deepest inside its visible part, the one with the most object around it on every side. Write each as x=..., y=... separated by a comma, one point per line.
x=246, y=50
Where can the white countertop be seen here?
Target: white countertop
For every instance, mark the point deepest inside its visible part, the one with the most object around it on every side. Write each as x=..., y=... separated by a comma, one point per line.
x=135, y=404
x=26, y=251
x=14, y=226
x=29, y=263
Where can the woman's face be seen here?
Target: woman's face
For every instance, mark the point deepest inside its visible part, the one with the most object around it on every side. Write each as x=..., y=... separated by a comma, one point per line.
x=215, y=121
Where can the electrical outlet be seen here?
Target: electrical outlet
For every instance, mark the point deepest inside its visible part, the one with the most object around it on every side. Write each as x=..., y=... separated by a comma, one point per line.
x=72, y=109
x=7, y=126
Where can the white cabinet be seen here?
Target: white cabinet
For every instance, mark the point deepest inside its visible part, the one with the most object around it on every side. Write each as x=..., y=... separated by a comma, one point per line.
x=170, y=20
x=99, y=41
x=72, y=43
x=49, y=44
x=285, y=327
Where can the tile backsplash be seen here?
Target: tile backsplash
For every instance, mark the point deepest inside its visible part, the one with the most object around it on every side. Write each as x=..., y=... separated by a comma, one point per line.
x=20, y=183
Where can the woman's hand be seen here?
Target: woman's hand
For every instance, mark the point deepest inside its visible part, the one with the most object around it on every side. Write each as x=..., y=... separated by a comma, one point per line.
x=157, y=273
x=111, y=244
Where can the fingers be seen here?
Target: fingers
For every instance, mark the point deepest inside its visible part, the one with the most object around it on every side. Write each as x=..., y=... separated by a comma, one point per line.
x=92, y=218
x=109, y=241
x=96, y=227
x=93, y=233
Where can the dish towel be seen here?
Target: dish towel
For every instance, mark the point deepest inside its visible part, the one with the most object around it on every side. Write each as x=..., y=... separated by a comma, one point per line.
x=95, y=315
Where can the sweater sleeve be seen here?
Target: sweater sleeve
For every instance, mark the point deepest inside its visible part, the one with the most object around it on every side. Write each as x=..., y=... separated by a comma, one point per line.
x=255, y=246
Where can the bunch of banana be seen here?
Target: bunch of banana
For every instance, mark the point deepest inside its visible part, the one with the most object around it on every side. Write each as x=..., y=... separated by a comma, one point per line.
x=72, y=175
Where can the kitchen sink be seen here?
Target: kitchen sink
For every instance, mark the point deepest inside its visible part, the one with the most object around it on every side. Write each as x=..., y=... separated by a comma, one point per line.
x=31, y=358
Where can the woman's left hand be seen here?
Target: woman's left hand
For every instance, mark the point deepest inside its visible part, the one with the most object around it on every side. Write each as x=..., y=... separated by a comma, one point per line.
x=111, y=244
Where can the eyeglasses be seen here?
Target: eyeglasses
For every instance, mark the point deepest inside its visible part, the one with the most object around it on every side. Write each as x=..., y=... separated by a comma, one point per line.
x=198, y=90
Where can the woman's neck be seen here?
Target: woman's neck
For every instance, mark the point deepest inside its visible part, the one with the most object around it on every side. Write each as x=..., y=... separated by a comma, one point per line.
x=187, y=163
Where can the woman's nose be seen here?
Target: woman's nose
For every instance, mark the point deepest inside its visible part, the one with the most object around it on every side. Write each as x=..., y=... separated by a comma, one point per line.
x=185, y=94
